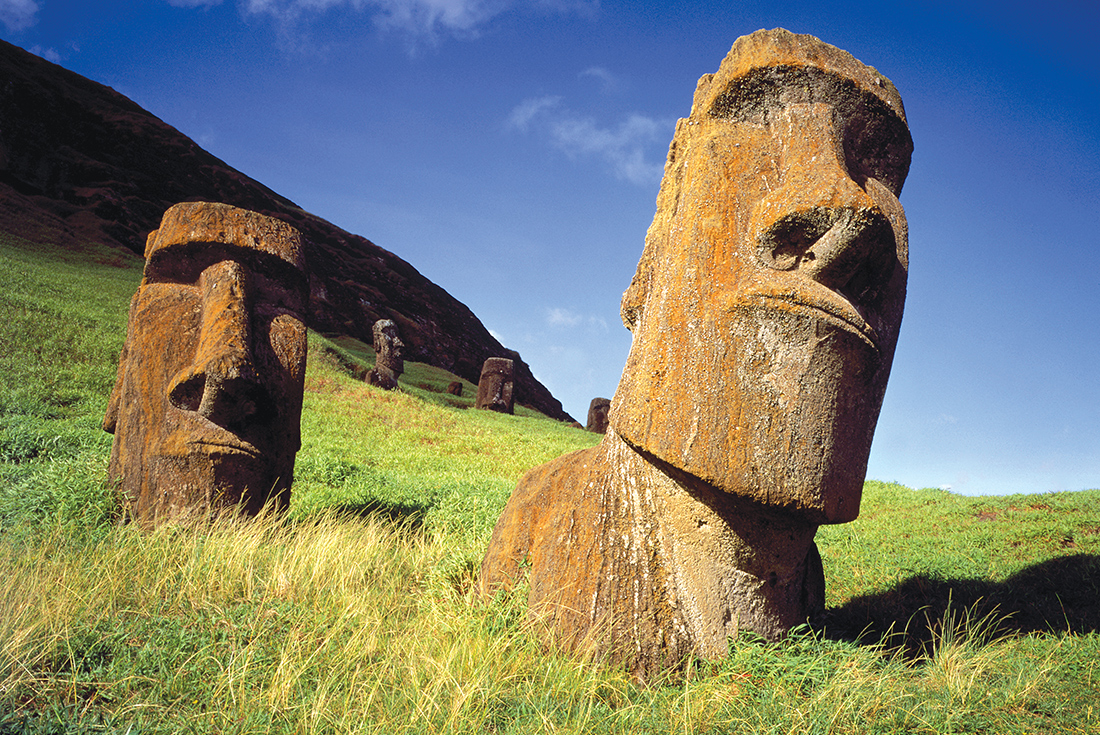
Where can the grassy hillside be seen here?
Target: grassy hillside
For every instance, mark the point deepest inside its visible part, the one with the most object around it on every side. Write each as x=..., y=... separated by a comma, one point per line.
x=355, y=613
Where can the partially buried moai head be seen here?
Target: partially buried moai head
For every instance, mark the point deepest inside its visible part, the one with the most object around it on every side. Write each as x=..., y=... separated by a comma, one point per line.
x=495, y=388
x=389, y=351
x=767, y=302
x=597, y=415
x=388, y=347
x=207, y=405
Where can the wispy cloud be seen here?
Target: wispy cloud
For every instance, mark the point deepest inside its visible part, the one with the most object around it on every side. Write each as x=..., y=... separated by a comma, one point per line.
x=528, y=110
x=566, y=318
x=18, y=15
x=48, y=54
x=607, y=80
x=194, y=3
x=417, y=17
x=623, y=147
x=422, y=20
x=431, y=17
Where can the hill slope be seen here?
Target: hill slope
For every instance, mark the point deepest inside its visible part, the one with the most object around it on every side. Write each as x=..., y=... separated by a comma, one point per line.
x=81, y=163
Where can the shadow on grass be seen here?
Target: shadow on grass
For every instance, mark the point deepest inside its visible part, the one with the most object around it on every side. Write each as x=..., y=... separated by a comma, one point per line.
x=409, y=517
x=1057, y=595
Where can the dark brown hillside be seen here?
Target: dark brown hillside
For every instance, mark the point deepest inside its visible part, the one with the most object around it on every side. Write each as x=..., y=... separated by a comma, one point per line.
x=80, y=163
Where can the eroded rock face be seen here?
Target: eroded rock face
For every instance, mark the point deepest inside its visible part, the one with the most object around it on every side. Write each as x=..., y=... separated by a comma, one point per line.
x=389, y=361
x=207, y=404
x=494, y=390
x=765, y=312
x=597, y=415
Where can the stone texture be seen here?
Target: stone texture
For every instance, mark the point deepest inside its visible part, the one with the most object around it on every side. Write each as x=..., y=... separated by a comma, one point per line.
x=494, y=390
x=597, y=415
x=765, y=311
x=207, y=403
x=389, y=361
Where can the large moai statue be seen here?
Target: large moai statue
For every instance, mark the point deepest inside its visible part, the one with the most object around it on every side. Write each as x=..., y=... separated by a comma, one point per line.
x=765, y=311
x=597, y=415
x=206, y=408
x=494, y=389
x=389, y=357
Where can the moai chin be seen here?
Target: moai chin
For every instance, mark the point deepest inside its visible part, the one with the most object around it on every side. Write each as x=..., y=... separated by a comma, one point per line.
x=765, y=311
x=207, y=404
x=597, y=415
x=494, y=389
x=389, y=359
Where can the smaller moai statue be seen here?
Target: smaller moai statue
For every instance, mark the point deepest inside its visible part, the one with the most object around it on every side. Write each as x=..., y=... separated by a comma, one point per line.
x=597, y=415
x=454, y=388
x=494, y=389
x=389, y=358
x=206, y=408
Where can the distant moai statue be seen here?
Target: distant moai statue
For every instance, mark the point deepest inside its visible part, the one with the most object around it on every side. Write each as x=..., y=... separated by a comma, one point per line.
x=597, y=415
x=765, y=311
x=454, y=388
x=206, y=408
x=494, y=389
x=389, y=356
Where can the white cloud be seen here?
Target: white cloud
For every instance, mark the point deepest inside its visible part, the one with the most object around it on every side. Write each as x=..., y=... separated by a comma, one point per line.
x=528, y=110
x=48, y=54
x=606, y=79
x=623, y=147
x=420, y=20
x=424, y=19
x=431, y=16
x=18, y=15
x=563, y=318
x=566, y=318
x=580, y=7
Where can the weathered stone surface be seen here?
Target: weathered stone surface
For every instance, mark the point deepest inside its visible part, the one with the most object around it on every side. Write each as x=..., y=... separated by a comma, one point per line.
x=597, y=415
x=765, y=311
x=454, y=388
x=631, y=561
x=389, y=361
x=494, y=390
x=207, y=403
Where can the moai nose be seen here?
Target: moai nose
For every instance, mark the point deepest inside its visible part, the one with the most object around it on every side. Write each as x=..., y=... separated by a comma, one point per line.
x=221, y=383
x=820, y=223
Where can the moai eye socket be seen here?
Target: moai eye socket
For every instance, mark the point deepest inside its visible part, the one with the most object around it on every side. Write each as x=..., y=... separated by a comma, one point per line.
x=877, y=145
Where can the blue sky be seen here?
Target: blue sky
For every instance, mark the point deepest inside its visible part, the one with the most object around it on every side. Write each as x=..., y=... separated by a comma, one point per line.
x=511, y=151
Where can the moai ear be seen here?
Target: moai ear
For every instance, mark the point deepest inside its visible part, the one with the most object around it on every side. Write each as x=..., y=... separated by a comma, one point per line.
x=634, y=298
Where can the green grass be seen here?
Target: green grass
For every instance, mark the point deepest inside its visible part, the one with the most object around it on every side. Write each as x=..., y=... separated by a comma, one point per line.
x=355, y=613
